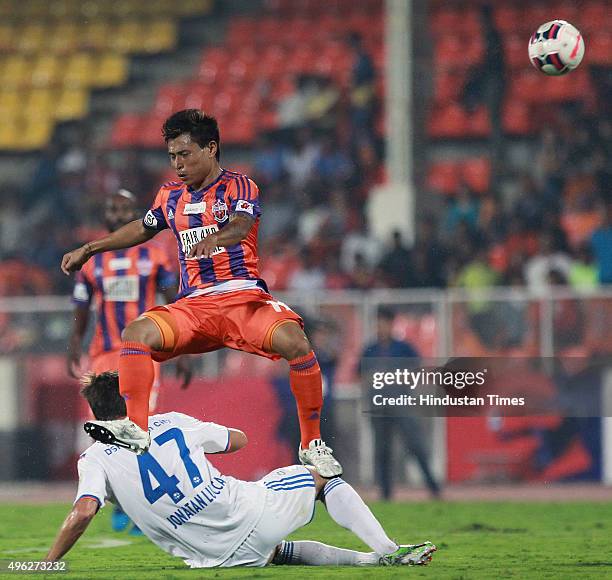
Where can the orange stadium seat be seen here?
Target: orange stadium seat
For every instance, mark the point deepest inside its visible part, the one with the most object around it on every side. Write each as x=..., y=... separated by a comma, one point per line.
x=448, y=85
x=448, y=121
x=507, y=18
x=169, y=98
x=443, y=177
x=516, y=118
x=453, y=51
x=150, y=131
x=515, y=51
x=126, y=130
x=476, y=174
x=599, y=49
x=479, y=123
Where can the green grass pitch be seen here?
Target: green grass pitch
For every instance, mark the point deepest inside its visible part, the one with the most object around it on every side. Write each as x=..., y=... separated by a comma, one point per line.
x=475, y=540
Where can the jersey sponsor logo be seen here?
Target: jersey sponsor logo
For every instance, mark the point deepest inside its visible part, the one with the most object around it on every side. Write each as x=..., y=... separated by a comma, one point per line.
x=193, y=236
x=120, y=288
x=245, y=206
x=194, y=208
x=200, y=501
x=170, y=214
x=120, y=263
x=150, y=220
x=145, y=267
x=219, y=210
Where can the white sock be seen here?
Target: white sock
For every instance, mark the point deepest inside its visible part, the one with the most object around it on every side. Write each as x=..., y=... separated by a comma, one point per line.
x=307, y=553
x=348, y=509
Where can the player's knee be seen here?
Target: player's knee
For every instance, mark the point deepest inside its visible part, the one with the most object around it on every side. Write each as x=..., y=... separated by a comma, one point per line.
x=290, y=342
x=318, y=480
x=144, y=331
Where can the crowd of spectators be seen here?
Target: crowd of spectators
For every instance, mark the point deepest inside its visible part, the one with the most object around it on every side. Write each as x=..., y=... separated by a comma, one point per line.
x=549, y=224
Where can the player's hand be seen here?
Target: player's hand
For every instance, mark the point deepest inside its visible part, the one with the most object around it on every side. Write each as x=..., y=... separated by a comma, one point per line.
x=73, y=261
x=184, y=369
x=205, y=248
x=73, y=363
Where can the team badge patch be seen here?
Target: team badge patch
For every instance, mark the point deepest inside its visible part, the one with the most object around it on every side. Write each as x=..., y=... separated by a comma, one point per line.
x=245, y=206
x=219, y=211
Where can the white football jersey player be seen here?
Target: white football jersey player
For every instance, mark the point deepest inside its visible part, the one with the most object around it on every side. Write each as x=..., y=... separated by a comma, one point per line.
x=175, y=495
x=190, y=510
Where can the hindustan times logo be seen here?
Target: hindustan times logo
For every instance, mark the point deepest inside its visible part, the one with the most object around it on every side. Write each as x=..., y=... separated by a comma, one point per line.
x=423, y=377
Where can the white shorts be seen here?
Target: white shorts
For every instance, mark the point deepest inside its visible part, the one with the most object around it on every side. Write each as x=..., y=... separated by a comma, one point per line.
x=290, y=504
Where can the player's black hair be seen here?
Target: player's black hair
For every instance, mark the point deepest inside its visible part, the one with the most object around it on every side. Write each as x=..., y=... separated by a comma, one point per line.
x=386, y=313
x=102, y=394
x=202, y=127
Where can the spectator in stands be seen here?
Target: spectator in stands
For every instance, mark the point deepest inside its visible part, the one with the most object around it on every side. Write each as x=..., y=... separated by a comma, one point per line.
x=301, y=159
x=363, y=94
x=548, y=258
x=333, y=165
x=269, y=165
x=310, y=277
x=583, y=274
x=601, y=242
x=464, y=207
x=362, y=276
x=394, y=423
x=396, y=264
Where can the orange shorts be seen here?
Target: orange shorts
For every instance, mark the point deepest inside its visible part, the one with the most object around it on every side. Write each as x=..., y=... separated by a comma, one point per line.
x=109, y=361
x=240, y=320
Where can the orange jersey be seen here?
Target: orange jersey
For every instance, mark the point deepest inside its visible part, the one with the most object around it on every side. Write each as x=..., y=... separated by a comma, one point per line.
x=192, y=215
x=123, y=284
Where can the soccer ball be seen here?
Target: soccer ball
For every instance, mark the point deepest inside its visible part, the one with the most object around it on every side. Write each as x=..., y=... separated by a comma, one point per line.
x=556, y=48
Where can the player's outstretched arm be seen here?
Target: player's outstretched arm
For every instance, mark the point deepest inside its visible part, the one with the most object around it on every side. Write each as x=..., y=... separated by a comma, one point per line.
x=129, y=235
x=233, y=233
x=73, y=527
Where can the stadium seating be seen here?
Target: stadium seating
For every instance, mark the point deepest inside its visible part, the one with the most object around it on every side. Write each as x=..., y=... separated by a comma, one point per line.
x=53, y=54
x=287, y=41
x=458, y=45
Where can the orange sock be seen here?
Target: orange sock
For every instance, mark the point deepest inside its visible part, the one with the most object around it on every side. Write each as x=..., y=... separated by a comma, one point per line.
x=136, y=376
x=307, y=388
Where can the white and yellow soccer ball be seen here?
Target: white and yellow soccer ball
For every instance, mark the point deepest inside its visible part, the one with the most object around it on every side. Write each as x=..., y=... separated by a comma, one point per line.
x=556, y=48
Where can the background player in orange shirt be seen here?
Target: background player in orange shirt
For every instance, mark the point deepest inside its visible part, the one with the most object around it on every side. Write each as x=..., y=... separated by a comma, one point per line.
x=223, y=302
x=123, y=284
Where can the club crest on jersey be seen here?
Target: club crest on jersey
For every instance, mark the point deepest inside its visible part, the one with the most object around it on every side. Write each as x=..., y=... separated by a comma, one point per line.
x=219, y=211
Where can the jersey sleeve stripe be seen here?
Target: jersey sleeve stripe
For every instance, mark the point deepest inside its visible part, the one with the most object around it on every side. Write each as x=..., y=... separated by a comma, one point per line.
x=227, y=446
x=89, y=496
x=239, y=192
x=247, y=188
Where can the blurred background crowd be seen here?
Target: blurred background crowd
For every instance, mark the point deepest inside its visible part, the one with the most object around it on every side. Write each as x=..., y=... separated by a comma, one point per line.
x=311, y=135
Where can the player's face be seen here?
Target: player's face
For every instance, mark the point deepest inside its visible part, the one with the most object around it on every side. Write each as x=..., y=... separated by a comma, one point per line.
x=192, y=163
x=118, y=212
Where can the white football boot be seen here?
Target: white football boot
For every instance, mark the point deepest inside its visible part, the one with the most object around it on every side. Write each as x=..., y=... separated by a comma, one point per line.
x=121, y=432
x=320, y=457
